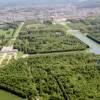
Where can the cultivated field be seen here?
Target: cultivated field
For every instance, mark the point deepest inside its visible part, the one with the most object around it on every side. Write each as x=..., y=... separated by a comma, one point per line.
x=42, y=38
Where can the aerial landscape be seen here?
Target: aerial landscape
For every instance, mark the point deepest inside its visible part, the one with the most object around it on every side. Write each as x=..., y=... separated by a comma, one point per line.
x=49, y=49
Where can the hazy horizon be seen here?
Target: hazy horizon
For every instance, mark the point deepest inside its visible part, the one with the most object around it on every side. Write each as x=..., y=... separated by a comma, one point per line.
x=25, y=3
x=36, y=2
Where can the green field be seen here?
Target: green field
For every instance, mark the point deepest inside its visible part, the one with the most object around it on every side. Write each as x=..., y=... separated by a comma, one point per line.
x=47, y=39
x=8, y=96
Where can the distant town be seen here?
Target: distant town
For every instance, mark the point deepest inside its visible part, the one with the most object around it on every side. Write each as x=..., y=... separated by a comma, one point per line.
x=59, y=13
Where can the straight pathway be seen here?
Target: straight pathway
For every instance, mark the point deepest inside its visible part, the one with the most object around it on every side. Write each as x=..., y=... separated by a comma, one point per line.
x=16, y=34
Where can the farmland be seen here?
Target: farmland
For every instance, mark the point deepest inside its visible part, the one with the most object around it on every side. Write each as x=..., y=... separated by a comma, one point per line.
x=46, y=39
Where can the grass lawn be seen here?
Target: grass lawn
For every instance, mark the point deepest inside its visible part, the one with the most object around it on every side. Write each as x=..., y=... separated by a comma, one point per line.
x=8, y=96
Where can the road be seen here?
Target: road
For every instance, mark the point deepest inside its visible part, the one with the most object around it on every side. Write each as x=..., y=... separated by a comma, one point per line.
x=94, y=47
x=16, y=33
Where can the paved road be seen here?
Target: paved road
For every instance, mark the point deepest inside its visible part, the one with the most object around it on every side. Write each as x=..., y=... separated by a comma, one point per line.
x=94, y=47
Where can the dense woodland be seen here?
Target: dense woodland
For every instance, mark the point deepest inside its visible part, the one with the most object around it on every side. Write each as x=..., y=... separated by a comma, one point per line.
x=53, y=77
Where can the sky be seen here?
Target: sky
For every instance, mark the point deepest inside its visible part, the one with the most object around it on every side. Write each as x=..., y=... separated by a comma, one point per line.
x=38, y=2
x=30, y=2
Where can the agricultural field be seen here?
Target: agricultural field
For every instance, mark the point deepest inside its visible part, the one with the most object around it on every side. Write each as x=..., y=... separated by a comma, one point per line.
x=53, y=77
x=42, y=38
